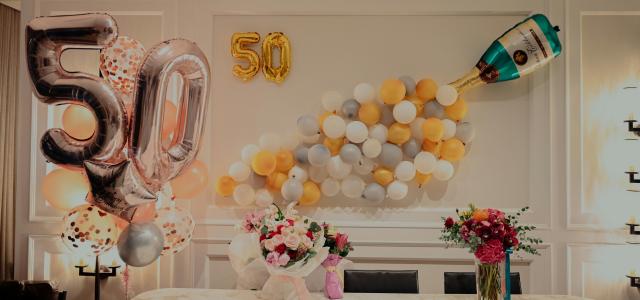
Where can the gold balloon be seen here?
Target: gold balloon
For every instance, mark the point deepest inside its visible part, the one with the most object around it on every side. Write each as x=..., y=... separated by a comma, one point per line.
x=433, y=147
x=225, y=186
x=78, y=122
x=452, y=150
x=399, y=133
x=310, y=193
x=263, y=163
x=392, y=91
x=426, y=89
x=275, y=180
x=65, y=189
x=422, y=178
x=239, y=50
x=192, y=181
x=369, y=113
x=280, y=41
x=334, y=145
x=284, y=160
x=383, y=176
x=419, y=106
x=432, y=129
x=456, y=111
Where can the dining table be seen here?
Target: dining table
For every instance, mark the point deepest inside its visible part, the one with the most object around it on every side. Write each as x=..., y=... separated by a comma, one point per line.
x=220, y=294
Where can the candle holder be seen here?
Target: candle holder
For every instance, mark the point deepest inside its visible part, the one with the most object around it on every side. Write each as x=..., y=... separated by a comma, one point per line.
x=632, y=128
x=98, y=275
x=634, y=280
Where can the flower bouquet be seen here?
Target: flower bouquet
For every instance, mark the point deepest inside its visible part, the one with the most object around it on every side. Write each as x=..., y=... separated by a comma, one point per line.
x=339, y=247
x=489, y=234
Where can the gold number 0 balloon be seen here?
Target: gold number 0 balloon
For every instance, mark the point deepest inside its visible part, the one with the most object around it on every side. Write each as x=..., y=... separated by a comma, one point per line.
x=279, y=40
x=238, y=50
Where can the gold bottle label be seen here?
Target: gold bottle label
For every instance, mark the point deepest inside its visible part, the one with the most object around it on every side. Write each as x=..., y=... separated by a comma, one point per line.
x=471, y=80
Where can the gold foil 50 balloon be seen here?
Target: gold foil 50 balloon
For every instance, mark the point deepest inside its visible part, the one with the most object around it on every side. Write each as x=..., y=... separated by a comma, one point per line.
x=240, y=52
x=280, y=41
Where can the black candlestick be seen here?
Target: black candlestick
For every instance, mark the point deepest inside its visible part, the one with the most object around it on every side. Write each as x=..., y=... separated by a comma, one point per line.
x=98, y=275
x=631, y=128
x=634, y=281
x=632, y=176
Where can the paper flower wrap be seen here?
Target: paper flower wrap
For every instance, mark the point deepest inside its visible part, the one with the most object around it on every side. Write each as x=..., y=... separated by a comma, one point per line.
x=243, y=254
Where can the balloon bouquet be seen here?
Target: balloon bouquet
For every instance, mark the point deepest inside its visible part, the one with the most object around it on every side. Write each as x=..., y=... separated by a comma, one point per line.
x=130, y=154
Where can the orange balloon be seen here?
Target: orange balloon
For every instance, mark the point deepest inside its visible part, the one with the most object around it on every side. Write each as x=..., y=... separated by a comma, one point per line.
x=225, y=186
x=121, y=223
x=170, y=119
x=383, y=176
x=456, y=111
x=310, y=193
x=334, y=145
x=426, y=89
x=264, y=163
x=65, y=189
x=422, y=178
x=452, y=150
x=275, y=180
x=419, y=106
x=144, y=213
x=79, y=122
x=432, y=129
x=392, y=91
x=433, y=147
x=369, y=113
x=399, y=133
x=192, y=181
x=284, y=160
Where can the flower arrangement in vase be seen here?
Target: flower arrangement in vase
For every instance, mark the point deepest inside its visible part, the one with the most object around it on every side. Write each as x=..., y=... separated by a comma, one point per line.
x=489, y=234
x=339, y=247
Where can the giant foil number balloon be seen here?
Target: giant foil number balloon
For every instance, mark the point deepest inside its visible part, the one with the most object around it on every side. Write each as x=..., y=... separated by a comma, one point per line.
x=46, y=39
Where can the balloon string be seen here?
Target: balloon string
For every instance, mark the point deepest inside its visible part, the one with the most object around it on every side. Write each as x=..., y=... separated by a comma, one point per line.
x=126, y=281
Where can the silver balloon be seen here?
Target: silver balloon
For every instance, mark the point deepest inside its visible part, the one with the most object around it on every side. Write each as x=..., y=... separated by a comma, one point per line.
x=292, y=190
x=350, y=153
x=308, y=125
x=140, y=244
x=158, y=164
x=465, y=132
x=411, y=148
x=256, y=180
x=301, y=154
x=390, y=156
x=319, y=154
x=409, y=84
x=374, y=192
x=46, y=39
x=433, y=109
x=386, y=117
x=350, y=109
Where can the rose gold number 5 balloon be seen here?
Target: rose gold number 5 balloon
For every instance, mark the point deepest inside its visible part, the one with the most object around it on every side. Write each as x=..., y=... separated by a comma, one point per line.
x=46, y=39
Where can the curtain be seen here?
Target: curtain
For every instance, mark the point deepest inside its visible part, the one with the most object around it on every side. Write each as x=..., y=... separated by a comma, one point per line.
x=9, y=66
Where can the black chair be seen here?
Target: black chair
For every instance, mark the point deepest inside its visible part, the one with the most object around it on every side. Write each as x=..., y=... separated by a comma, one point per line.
x=30, y=290
x=465, y=283
x=381, y=281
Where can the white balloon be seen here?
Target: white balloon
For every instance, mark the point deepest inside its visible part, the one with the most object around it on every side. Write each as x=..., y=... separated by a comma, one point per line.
x=352, y=186
x=290, y=140
x=307, y=125
x=263, y=198
x=292, y=190
x=270, y=141
x=446, y=95
x=248, y=152
x=330, y=187
x=312, y=139
x=364, y=92
x=357, y=132
x=334, y=127
x=239, y=171
x=405, y=171
x=318, y=174
x=337, y=168
x=332, y=101
x=425, y=162
x=379, y=132
x=243, y=194
x=443, y=171
x=371, y=148
x=416, y=128
x=298, y=173
x=365, y=166
x=404, y=112
x=449, y=129
x=319, y=155
x=397, y=190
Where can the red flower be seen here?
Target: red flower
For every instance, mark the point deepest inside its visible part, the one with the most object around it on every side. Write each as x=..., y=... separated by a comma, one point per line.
x=290, y=222
x=280, y=248
x=310, y=234
x=272, y=234
x=263, y=237
x=341, y=241
x=491, y=252
x=279, y=229
x=449, y=223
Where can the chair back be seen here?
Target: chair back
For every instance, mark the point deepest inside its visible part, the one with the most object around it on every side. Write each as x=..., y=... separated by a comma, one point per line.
x=465, y=283
x=381, y=281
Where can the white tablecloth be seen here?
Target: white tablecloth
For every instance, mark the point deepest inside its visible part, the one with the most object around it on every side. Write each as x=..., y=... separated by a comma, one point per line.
x=206, y=294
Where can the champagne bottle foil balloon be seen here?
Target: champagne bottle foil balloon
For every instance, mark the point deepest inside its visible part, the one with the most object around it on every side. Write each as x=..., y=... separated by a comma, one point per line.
x=521, y=50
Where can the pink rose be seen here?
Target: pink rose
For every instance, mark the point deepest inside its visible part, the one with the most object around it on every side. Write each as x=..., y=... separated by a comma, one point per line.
x=292, y=241
x=272, y=258
x=278, y=239
x=341, y=241
x=283, y=260
x=491, y=252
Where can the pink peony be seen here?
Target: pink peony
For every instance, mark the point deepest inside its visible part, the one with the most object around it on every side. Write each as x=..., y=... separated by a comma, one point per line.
x=283, y=260
x=341, y=241
x=272, y=258
x=490, y=252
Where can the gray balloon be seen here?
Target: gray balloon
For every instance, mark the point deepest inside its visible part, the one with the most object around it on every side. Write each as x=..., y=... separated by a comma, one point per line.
x=292, y=190
x=256, y=180
x=411, y=148
x=301, y=154
x=386, y=117
x=465, y=132
x=350, y=154
x=409, y=84
x=350, y=109
x=374, y=193
x=308, y=125
x=140, y=244
x=433, y=109
x=319, y=154
x=390, y=156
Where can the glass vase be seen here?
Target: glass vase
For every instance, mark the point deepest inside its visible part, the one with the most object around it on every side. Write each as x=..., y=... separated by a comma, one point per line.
x=490, y=281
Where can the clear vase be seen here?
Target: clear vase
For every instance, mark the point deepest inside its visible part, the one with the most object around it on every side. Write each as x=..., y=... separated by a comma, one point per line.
x=490, y=281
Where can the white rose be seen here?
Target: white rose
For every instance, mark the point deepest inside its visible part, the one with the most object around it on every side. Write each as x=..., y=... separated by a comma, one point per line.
x=292, y=242
x=269, y=245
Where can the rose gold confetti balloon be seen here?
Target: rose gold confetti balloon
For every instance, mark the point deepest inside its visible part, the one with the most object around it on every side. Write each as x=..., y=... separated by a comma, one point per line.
x=89, y=230
x=119, y=64
x=177, y=227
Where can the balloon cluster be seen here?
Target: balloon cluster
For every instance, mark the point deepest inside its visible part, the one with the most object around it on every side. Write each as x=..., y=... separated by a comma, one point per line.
x=120, y=145
x=406, y=132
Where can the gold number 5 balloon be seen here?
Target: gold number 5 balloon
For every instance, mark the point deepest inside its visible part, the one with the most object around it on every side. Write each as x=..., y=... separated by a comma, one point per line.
x=239, y=40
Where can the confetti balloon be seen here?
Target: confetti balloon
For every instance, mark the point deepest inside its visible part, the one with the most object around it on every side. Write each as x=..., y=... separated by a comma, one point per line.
x=378, y=132
x=383, y=176
x=120, y=62
x=192, y=181
x=225, y=186
x=432, y=129
x=334, y=145
x=411, y=148
x=457, y=111
x=433, y=109
x=79, y=122
x=404, y=112
x=374, y=192
x=248, y=152
x=334, y=127
x=275, y=180
x=350, y=109
x=337, y=168
x=310, y=193
x=369, y=113
x=65, y=189
x=350, y=154
x=397, y=190
x=332, y=101
x=390, y=156
x=239, y=171
x=352, y=186
x=284, y=160
x=318, y=174
x=264, y=163
x=371, y=148
x=319, y=155
x=364, y=92
x=292, y=190
x=465, y=132
x=426, y=89
x=244, y=194
x=446, y=95
x=270, y=142
x=308, y=125
x=89, y=230
x=392, y=91
x=399, y=133
x=405, y=171
x=416, y=128
x=449, y=129
x=298, y=173
x=364, y=166
x=452, y=150
x=425, y=162
x=330, y=187
x=443, y=170
x=357, y=132
x=301, y=154
x=409, y=85
x=177, y=227
x=263, y=198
